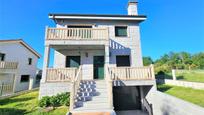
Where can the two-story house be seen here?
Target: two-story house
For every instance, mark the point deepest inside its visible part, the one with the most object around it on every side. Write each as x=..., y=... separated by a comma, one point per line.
x=18, y=65
x=98, y=59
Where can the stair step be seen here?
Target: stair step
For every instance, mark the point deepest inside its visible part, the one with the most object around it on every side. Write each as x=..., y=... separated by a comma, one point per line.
x=99, y=99
x=93, y=105
x=87, y=89
x=87, y=86
x=87, y=93
x=85, y=98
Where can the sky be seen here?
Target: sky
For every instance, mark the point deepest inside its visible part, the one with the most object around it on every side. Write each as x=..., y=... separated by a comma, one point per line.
x=171, y=25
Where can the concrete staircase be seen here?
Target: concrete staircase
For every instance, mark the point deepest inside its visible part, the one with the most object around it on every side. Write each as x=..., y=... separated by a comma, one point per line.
x=92, y=96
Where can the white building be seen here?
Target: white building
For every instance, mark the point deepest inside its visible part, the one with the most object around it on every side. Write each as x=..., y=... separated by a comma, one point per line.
x=98, y=59
x=18, y=64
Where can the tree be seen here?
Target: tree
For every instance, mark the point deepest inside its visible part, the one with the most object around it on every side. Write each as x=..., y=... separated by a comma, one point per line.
x=198, y=60
x=147, y=61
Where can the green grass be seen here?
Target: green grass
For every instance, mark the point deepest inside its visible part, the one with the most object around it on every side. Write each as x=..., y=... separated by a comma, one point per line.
x=26, y=104
x=191, y=95
x=193, y=76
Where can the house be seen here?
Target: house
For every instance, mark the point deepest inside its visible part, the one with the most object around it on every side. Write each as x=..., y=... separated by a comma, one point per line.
x=98, y=59
x=18, y=65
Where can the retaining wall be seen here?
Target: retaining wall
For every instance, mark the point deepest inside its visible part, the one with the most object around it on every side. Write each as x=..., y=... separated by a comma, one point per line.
x=194, y=85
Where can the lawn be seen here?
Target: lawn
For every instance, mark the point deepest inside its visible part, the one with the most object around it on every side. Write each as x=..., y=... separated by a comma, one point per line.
x=193, y=76
x=27, y=104
x=188, y=94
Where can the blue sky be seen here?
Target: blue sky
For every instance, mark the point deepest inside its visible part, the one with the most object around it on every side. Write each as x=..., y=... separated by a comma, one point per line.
x=172, y=25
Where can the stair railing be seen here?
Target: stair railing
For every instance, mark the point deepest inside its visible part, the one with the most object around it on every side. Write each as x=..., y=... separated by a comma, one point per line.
x=110, y=87
x=148, y=107
x=75, y=86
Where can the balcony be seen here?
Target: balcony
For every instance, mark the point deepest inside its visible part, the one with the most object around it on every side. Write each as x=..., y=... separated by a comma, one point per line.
x=8, y=65
x=115, y=73
x=77, y=34
x=60, y=74
x=132, y=73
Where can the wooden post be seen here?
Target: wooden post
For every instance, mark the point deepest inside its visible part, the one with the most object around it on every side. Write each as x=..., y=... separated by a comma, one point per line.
x=152, y=71
x=107, y=60
x=110, y=87
x=2, y=86
x=14, y=83
x=46, y=63
x=174, y=74
x=71, y=107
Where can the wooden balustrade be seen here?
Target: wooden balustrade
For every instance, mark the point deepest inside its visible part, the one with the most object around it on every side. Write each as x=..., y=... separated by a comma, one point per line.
x=8, y=65
x=6, y=88
x=77, y=33
x=75, y=86
x=131, y=73
x=60, y=75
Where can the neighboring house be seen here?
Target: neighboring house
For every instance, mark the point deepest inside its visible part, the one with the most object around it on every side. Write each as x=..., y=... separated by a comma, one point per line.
x=18, y=64
x=98, y=59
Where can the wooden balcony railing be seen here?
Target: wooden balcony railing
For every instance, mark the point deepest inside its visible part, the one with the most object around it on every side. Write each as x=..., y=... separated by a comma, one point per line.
x=132, y=73
x=77, y=33
x=8, y=65
x=60, y=75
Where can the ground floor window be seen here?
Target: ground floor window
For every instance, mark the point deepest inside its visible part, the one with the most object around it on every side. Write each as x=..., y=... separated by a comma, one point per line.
x=126, y=98
x=25, y=78
x=123, y=61
x=72, y=61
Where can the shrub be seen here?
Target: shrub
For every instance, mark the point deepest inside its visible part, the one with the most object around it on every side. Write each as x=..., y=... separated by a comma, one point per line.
x=54, y=101
x=58, y=100
x=64, y=98
x=44, y=102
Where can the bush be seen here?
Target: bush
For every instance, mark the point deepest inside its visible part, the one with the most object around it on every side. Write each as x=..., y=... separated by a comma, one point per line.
x=58, y=100
x=63, y=99
x=44, y=102
x=54, y=101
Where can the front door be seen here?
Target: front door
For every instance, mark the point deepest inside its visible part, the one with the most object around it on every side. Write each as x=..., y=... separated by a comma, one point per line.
x=98, y=67
x=73, y=61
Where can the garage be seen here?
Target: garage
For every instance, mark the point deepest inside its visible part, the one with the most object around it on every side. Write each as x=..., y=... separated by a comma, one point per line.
x=126, y=98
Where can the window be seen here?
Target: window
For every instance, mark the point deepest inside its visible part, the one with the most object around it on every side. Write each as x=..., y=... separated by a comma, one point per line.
x=29, y=61
x=121, y=31
x=123, y=61
x=2, y=57
x=24, y=78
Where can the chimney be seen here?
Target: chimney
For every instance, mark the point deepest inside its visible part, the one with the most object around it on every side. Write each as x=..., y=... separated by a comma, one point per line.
x=132, y=7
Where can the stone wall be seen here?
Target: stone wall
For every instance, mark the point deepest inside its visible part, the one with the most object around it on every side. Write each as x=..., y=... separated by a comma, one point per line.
x=50, y=89
x=194, y=85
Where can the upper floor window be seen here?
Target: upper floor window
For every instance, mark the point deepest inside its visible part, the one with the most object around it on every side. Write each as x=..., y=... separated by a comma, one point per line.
x=29, y=61
x=121, y=31
x=123, y=61
x=2, y=57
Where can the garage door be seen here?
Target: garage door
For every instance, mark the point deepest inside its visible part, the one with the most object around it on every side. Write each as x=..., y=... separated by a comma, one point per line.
x=126, y=98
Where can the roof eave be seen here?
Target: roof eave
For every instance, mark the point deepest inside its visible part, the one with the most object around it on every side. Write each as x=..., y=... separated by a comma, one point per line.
x=99, y=17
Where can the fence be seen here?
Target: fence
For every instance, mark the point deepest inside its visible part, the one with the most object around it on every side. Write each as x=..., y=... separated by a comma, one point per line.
x=6, y=88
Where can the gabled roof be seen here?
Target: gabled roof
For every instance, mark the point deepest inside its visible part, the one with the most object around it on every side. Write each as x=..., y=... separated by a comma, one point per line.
x=22, y=43
x=98, y=17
